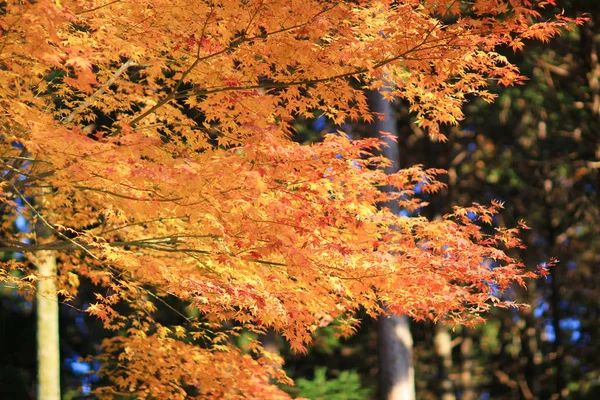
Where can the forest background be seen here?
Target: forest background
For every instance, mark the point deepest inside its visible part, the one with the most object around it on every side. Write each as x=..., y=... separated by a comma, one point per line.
x=536, y=150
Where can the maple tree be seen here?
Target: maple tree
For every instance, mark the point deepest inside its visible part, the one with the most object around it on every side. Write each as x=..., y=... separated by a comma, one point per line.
x=155, y=138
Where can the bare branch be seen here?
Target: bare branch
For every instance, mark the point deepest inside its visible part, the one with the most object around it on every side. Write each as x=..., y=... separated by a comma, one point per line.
x=88, y=102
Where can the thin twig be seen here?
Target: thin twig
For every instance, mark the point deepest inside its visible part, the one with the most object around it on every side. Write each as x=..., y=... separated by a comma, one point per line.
x=98, y=8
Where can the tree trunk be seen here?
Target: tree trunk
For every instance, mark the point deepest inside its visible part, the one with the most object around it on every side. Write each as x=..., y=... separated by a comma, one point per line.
x=48, y=352
x=269, y=342
x=443, y=347
x=466, y=373
x=395, y=339
x=397, y=375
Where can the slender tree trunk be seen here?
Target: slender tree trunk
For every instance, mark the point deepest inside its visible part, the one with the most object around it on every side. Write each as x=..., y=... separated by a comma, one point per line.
x=443, y=347
x=555, y=275
x=531, y=357
x=466, y=373
x=395, y=339
x=555, y=300
x=48, y=352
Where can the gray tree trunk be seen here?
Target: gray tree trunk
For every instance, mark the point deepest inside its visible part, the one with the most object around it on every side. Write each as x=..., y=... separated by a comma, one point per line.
x=397, y=374
x=397, y=380
x=48, y=352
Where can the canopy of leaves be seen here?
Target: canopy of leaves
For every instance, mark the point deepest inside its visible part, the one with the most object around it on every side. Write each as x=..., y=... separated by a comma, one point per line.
x=154, y=138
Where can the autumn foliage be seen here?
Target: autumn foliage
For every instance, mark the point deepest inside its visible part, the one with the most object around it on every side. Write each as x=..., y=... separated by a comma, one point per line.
x=153, y=138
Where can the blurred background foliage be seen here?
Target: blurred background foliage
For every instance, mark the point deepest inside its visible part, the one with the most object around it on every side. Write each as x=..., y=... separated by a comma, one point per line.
x=537, y=149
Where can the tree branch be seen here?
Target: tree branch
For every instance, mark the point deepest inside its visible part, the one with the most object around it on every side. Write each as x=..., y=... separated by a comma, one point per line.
x=88, y=102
